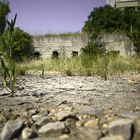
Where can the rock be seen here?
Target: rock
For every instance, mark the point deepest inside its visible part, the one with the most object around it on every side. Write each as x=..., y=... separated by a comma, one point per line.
x=137, y=129
x=92, y=123
x=71, y=122
x=92, y=112
x=121, y=127
x=88, y=134
x=105, y=126
x=119, y=137
x=20, y=88
x=4, y=92
x=53, y=127
x=33, y=112
x=129, y=115
x=37, y=117
x=12, y=129
x=7, y=114
x=28, y=133
x=133, y=81
x=65, y=136
x=24, y=114
x=42, y=121
x=64, y=115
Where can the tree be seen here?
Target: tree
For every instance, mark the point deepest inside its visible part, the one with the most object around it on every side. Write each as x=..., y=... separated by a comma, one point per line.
x=103, y=19
x=110, y=20
x=4, y=10
x=22, y=47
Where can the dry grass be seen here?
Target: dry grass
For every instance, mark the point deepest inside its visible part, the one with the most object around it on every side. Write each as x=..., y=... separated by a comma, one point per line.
x=83, y=65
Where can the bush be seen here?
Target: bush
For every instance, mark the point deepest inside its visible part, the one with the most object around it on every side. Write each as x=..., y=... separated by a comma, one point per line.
x=4, y=10
x=22, y=48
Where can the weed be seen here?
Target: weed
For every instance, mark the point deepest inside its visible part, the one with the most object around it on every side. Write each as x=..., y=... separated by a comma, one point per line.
x=103, y=66
x=8, y=63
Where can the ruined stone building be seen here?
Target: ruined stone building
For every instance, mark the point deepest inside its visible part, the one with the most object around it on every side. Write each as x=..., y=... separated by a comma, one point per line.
x=59, y=46
x=67, y=46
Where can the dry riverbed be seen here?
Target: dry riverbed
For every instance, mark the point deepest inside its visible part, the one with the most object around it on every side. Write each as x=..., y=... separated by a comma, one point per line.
x=74, y=108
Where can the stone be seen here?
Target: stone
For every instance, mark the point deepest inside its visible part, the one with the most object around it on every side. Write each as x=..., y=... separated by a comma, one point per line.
x=105, y=126
x=33, y=112
x=71, y=122
x=4, y=92
x=121, y=127
x=37, y=117
x=92, y=112
x=88, y=134
x=79, y=123
x=64, y=136
x=20, y=87
x=12, y=129
x=28, y=133
x=63, y=115
x=129, y=115
x=137, y=129
x=53, y=127
x=92, y=123
x=119, y=137
x=42, y=121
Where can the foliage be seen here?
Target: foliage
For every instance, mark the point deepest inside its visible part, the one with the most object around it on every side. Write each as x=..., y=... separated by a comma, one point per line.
x=8, y=64
x=4, y=10
x=22, y=47
x=74, y=66
x=109, y=20
x=94, y=49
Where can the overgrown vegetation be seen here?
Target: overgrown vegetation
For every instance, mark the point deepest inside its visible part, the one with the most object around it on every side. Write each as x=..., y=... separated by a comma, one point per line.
x=75, y=66
x=22, y=48
x=7, y=61
x=4, y=10
x=106, y=19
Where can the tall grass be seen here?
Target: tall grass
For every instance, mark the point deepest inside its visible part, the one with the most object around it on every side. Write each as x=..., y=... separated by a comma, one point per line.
x=84, y=65
x=8, y=64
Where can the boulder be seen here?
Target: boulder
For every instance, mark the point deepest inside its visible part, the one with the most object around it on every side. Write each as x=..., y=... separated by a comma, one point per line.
x=92, y=123
x=88, y=134
x=92, y=112
x=137, y=129
x=121, y=127
x=63, y=115
x=12, y=129
x=28, y=133
x=54, y=127
x=42, y=121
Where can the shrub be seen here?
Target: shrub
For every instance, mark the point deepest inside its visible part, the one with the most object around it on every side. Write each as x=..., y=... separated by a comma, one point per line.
x=22, y=44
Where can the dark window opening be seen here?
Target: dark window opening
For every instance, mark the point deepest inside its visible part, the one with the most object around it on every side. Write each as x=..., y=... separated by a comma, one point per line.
x=55, y=54
x=36, y=55
x=74, y=53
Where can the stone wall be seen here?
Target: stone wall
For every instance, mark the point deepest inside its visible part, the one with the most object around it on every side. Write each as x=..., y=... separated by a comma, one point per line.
x=120, y=43
x=66, y=46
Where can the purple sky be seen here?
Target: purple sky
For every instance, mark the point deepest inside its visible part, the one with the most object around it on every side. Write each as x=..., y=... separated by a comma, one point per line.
x=52, y=16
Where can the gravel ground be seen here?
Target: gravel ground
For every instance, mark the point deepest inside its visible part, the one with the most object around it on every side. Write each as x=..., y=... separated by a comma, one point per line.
x=121, y=93
x=77, y=104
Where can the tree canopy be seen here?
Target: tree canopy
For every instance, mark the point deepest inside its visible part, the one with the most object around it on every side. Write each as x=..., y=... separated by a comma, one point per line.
x=4, y=10
x=22, y=47
x=110, y=20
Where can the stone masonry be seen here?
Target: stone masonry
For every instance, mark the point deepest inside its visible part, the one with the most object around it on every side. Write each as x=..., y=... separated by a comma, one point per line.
x=68, y=45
